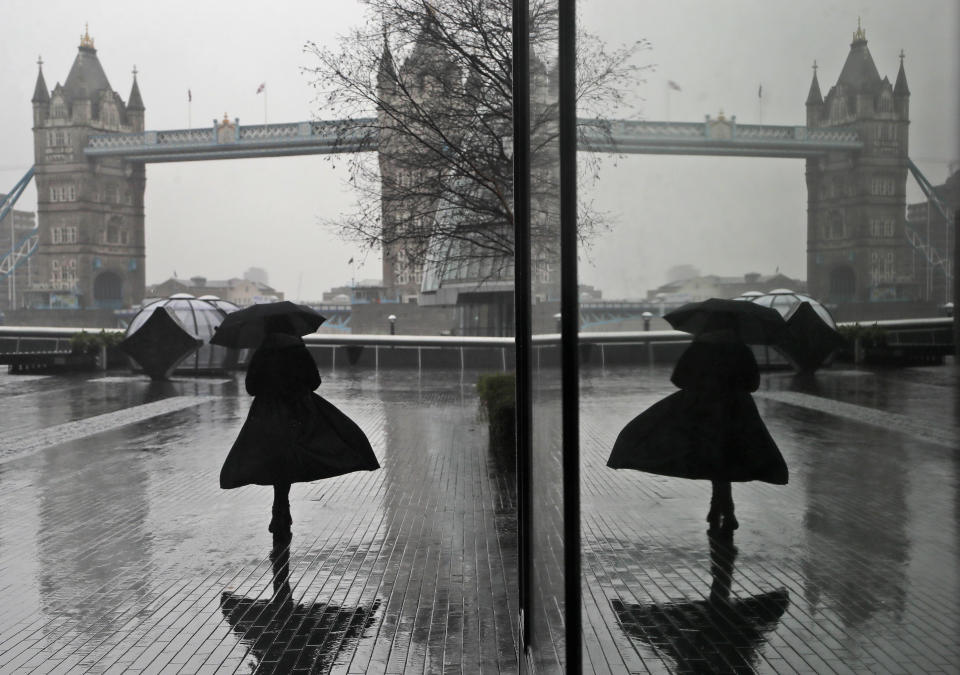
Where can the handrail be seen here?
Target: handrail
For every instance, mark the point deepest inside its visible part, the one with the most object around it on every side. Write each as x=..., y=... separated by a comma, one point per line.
x=453, y=341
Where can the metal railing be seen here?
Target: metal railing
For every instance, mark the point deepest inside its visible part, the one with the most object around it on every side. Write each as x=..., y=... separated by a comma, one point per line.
x=333, y=351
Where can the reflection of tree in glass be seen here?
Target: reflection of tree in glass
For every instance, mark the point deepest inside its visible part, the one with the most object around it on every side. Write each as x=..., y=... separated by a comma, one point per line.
x=284, y=635
x=717, y=635
x=439, y=77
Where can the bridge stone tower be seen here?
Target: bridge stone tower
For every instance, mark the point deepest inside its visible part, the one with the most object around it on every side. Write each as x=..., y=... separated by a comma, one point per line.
x=857, y=249
x=90, y=212
x=408, y=180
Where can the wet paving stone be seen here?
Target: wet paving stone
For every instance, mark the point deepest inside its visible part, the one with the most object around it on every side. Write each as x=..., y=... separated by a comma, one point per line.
x=862, y=544
x=119, y=553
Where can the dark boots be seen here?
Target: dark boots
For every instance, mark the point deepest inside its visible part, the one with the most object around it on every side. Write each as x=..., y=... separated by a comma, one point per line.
x=721, y=517
x=281, y=521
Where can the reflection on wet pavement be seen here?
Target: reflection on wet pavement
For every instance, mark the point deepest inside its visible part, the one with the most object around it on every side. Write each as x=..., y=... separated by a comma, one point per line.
x=718, y=634
x=119, y=552
x=864, y=539
x=285, y=635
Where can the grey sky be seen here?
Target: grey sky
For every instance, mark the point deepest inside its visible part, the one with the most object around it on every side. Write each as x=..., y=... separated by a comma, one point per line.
x=726, y=216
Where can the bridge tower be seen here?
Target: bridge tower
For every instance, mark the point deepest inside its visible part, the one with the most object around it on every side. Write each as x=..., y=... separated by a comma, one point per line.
x=407, y=171
x=90, y=212
x=857, y=249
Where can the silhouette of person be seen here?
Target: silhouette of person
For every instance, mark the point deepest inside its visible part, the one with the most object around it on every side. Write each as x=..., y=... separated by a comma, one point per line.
x=291, y=434
x=710, y=429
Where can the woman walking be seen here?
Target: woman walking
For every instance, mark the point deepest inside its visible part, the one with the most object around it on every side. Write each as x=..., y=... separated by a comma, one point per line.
x=291, y=434
x=710, y=429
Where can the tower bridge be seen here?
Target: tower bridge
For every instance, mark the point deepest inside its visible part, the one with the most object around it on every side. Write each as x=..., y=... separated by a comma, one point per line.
x=231, y=140
x=91, y=149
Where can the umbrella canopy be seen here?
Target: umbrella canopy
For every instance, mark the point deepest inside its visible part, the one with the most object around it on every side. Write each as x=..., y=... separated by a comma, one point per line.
x=246, y=327
x=751, y=323
x=160, y=344
x=811, y=340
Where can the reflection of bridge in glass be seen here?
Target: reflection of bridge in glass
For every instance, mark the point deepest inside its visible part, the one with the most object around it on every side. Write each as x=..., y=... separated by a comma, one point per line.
x=227, y=140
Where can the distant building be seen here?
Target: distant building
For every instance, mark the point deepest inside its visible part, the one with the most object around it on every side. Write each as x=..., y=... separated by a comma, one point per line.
x=339, y=295
x=14, y=228
x=700, y=288
x=257, y=274
x=370, y=291
x=587, y=292
x=242, y=292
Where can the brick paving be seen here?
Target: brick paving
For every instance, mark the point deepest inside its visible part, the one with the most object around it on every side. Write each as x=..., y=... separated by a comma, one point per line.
x=863, y=543
x=118, y=553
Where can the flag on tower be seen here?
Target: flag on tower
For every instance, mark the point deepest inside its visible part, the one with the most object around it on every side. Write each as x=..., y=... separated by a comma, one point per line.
x=760, y=91
x=673, y=85
x=189, y=96
x=263, y=85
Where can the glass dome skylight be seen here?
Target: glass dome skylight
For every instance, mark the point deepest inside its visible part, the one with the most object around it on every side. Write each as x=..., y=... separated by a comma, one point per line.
x=786, y=302
x=200, y=316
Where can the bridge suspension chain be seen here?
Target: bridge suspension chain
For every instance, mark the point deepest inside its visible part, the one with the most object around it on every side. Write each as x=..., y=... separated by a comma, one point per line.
x=933, y=257
x=27, y=246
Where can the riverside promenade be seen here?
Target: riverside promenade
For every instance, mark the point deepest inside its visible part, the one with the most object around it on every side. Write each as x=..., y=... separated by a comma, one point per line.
x=119, y=552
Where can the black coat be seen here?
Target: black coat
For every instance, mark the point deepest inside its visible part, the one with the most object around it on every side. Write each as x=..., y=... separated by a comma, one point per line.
x=710, y=429
x=291, y=434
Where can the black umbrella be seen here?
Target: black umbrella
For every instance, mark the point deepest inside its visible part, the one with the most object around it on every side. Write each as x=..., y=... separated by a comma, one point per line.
x=286, y=636
x=810, y=341
x=160, y=344
x=751, y=323
x=246, y=327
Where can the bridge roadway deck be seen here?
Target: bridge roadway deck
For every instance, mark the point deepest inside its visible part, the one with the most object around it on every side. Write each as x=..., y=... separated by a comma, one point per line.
x=710, y=137
x=118, y=553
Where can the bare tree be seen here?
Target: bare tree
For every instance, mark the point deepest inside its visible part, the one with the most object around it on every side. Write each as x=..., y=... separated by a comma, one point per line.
x=432, y=82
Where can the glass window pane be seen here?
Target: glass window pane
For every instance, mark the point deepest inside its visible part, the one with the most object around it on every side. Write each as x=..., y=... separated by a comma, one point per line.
x=737, y=165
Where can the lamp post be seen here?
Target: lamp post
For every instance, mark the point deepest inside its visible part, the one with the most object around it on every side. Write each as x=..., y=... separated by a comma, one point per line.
x=393, y=324
x=646, y=320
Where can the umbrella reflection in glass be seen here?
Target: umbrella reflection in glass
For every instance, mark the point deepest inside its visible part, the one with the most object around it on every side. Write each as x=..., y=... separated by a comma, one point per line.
x=285, y=636
x=160, y=344
x=717, y=635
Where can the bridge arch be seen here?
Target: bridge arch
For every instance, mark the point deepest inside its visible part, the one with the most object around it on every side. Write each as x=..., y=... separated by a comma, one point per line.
x=843, y=284
x=108, y=290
